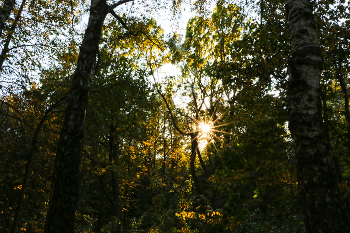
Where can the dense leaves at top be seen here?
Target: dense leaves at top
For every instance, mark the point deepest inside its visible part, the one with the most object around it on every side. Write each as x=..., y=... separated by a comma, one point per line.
x=140, y=169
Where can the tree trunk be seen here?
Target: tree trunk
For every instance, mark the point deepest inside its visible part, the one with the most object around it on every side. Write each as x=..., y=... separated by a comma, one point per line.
x=63, y=200
x=114, y=157
x=28, y=170
x=323, y=205
x=326, y=128
x=5, y=49
x=194, y=146
x=346, y=98
x=164, y=147
x=202, y=162
x=5, y=13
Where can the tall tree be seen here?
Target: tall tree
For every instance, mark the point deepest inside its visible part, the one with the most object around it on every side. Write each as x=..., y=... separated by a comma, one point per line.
x=323, y=205
x=33, y=148
x=63, y=200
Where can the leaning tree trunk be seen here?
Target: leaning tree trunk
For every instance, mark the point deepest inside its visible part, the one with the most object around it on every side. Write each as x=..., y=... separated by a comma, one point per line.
x=323, y=205
x=28, y=171
x=63, y=200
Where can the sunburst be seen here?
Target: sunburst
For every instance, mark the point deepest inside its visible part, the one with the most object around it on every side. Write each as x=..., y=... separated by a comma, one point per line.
x=207, y=131
x=206, y=128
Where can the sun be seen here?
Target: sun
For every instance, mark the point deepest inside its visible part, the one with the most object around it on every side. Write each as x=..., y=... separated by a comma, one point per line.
x=207, y=132
x=205, y=128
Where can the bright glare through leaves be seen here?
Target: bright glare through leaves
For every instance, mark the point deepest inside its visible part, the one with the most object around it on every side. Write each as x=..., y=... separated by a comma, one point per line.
x=205, y=128
x=207, y=131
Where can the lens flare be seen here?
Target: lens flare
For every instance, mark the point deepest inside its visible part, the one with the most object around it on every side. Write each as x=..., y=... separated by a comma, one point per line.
x=208, y=131
x=205, y=127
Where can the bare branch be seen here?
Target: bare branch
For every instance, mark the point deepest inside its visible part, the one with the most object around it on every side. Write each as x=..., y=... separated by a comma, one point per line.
x=120, y=20
x=170, y=112
x=168, y=107
x=195, y=101
x=111, y=7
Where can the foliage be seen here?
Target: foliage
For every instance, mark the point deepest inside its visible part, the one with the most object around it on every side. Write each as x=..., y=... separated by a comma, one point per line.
x=136, y=173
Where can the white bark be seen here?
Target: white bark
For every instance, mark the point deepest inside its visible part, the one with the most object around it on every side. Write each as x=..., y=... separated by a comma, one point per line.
x=323, y=205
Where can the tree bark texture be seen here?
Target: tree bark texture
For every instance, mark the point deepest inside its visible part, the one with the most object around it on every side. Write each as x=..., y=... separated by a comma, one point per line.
x=323, y=205
x=63, y=200
x=5, y=13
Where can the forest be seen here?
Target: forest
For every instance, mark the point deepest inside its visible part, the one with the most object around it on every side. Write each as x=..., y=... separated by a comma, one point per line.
x=114, y=118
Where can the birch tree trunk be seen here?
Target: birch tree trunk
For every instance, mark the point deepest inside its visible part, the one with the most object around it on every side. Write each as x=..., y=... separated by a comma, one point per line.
x=63, y=200
x=323, y=205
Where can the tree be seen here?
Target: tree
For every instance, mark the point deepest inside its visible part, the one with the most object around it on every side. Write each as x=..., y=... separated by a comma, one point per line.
x=28, y=170
x=5, y=13
x=63, y=201
x=334, y=41
x=5, y=10
x=251, y=182
x=317, y=177
x=134, y=170
x=28, y=122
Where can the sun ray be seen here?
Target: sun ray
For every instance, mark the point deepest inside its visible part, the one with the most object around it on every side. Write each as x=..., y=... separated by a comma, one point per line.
x=207, y=131
x=219, y=131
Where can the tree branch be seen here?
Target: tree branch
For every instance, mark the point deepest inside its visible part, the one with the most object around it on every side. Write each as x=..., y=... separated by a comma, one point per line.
x=121, y=21
x=111, y=7
x=170, y=112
